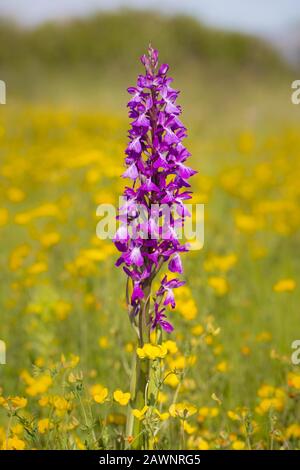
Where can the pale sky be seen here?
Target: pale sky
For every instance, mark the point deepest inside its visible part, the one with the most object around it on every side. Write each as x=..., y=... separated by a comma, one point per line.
x=257, y=16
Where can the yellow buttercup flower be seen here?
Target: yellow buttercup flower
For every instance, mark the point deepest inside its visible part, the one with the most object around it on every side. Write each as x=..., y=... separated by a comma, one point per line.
x=185, y=303
x=15, y=194
x=62, y=309
x=140, y=414
x=233, y=416
x=44, y=401
x=266, y=391
x=103, y=342
x=219, y=285
x=3, y=216
x=293, y=431
x=264, y=337
x=17, y=429
x=13, y=443
x=271, y=398
x=18, y=402
x=152, y=351
x=197, y=330
x=220, y=263
x=188, y=428
x=182, y=410
x=36, y=385
x=284, y=285
x=171, y=346
x=162, y=416
x=238, y=445
x=202, y=444
x=61, y=404
x=79, y=444
x=44, y=425
x=50, y=239
x=99, y=393
x=294, y=380
x=38, y=268
x=222, y=366
x=121, y=397
x=171, y=379
x=247, y=223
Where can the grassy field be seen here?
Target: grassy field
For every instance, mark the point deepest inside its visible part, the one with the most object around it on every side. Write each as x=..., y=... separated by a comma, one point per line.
x=63, y=315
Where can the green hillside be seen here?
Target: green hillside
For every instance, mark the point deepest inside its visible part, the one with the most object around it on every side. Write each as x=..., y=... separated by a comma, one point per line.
x=116, y=39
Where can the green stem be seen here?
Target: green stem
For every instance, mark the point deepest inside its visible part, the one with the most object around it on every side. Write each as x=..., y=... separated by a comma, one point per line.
x=140, y=378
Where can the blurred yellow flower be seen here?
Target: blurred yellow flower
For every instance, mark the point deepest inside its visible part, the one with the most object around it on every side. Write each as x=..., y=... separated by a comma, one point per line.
x=238, y=445
x=18, y=402
x=219, y=285
x=247, y=223
x=152, y=351
x=202, y=444
x=162, y=416
x=15, y=194
x=293, y=431
x=171, y=379
x=294, y=380
x=222, y=366
x=38, y=268
x=103, y=342
x=182, y=410
x=197, y=330
x=220, y=263
x=171, y=346
x=99, y=393
x=140, y=414
x=13, y=443
x=50, y=239
x=44, y=425
x=271, y=398
x=188, y=428
x=3, y=216
x=121, y=397
x=233, y=416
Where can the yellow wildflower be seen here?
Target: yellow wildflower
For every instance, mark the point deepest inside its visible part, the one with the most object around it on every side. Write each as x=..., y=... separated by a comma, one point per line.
x=13, y=443
x=103, y=342
x=284, y=285
x=222, y=366
x=140, y=414
x=18, y=402
x=182, y=410
x=233, y=416
x=294, y=380
x=188, y=428
x=99, y=393
x=202, y=444
x=238, y=445
x=197, y=330
x=219, y=285
x=162, y=416
x=171, y=379
x=293, y=431
x=171, y=346
x=50, y=239
x=152, y=351
x=44, y=425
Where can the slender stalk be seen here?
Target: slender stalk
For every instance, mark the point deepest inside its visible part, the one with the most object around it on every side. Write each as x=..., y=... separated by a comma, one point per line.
x=140, y=377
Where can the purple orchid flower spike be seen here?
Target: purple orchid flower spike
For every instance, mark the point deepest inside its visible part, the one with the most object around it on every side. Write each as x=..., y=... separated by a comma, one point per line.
x=156, y=165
